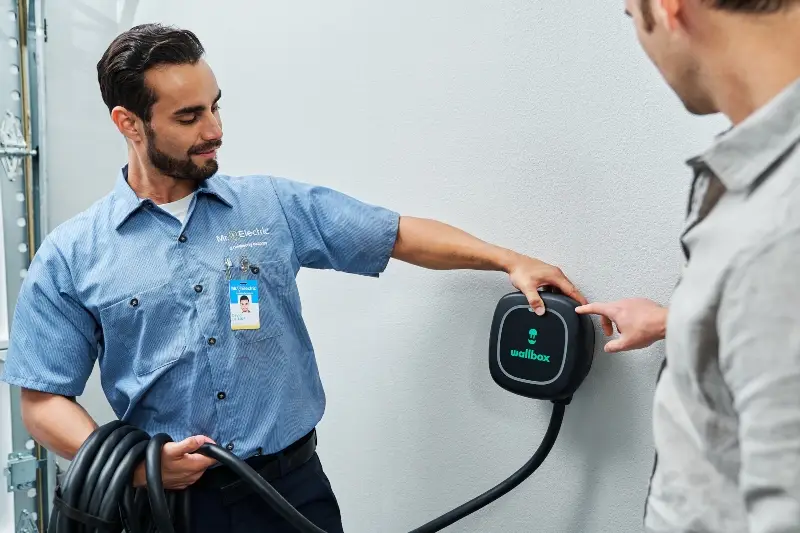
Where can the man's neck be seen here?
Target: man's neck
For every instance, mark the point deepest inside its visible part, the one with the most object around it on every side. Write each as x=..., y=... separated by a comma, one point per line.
x=757, y=58
x=147, y=182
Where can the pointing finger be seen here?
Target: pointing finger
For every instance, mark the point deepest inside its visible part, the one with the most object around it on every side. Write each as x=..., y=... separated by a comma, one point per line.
x=596, y=308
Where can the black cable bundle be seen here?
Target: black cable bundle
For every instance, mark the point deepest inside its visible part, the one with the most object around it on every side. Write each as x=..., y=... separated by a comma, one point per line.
x=98, y=496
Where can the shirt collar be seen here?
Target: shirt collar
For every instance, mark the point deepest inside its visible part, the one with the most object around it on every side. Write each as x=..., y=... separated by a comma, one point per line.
x=743, y=153
x=126, y=202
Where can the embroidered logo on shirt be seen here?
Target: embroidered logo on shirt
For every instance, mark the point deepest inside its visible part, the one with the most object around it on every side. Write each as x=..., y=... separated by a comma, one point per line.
x=236, y=234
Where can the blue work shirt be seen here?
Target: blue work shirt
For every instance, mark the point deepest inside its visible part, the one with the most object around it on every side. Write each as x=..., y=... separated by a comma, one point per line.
x=126, y=284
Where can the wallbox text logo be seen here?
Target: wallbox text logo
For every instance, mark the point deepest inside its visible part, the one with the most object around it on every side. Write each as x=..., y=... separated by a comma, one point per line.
x=530, y=354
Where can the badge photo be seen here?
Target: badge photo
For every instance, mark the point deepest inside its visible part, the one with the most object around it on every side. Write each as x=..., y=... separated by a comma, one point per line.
x=244, y=304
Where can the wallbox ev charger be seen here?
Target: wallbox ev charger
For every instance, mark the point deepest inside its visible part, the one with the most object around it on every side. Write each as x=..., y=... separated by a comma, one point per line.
x=542, y=357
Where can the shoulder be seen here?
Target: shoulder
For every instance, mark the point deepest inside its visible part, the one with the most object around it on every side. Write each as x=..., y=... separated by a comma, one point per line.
x=767, y=231
x=80, y=233
x=249, y=184
x=289, y=193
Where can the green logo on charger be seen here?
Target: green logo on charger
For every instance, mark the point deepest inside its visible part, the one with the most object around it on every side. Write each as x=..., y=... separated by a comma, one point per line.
x=530, y=354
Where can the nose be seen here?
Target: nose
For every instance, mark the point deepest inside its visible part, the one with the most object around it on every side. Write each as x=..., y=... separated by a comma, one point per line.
x=213, y=128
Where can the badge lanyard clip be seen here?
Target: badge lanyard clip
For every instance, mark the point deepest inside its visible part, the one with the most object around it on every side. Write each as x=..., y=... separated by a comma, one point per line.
x=228, y=266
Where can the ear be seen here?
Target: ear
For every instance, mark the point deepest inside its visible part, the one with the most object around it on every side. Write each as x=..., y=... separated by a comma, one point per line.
x=126, y=123
x=669, y=11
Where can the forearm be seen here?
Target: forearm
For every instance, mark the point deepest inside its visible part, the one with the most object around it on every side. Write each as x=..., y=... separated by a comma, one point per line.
x=57, y=423
x=435, y=245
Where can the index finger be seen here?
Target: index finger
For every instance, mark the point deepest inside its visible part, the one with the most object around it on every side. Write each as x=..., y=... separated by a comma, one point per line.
x=596, y=308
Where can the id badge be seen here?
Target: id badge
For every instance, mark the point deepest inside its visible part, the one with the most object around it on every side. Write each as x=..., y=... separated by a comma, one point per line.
x=244, y=304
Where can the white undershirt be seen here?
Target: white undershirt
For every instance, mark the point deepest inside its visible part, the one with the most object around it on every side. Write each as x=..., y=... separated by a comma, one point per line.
x=178, y=208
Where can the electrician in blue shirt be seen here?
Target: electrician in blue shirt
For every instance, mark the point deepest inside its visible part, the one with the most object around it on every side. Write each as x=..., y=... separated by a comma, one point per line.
x=148, y=282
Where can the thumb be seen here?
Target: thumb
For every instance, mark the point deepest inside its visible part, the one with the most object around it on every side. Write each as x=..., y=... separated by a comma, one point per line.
x=187, y=445
x=536, y=302
x=617, y=345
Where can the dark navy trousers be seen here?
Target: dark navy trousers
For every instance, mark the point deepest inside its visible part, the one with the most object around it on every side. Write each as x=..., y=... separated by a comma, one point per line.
x=307, y=488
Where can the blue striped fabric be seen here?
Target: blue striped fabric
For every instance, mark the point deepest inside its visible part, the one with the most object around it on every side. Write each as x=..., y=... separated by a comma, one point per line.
x=125, y=284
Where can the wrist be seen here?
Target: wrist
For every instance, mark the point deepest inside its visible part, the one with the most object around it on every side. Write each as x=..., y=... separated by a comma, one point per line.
x=506, y=260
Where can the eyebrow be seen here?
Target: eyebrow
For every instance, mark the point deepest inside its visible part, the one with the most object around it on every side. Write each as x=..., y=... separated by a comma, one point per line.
x=196, y=108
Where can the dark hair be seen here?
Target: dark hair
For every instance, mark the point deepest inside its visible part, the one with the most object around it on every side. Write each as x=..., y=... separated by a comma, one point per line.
x=751, y=6
x=122, y=68
x=744, y=6
x=243, y=298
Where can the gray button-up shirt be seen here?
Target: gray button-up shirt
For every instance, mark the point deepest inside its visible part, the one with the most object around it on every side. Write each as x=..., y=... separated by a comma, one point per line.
x=727, y=404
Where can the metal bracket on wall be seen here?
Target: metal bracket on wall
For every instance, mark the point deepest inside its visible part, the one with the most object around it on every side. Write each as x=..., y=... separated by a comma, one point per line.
x=27, y=523
x=20, y=472
x=13, y=147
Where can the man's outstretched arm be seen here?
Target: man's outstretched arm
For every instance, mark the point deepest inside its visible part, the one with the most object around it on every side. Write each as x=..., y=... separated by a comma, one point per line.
x=436, y=245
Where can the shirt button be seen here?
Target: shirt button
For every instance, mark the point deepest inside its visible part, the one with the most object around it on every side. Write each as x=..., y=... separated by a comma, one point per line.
x=212, y=341
x=134, y=302
x=198, y=288
x=259, y=451
x=230, y=446
x=221, y=395
x=182, y=238
x=254, y=269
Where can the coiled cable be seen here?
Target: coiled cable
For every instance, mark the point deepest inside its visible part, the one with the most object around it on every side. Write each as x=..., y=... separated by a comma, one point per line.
x=98, y=496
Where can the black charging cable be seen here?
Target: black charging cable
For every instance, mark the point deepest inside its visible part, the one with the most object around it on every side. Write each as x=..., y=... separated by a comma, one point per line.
x=98, y=496
x=509, y=484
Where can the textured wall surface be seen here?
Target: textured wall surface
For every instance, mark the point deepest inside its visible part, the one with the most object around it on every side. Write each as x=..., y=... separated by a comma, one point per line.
x=539, y=126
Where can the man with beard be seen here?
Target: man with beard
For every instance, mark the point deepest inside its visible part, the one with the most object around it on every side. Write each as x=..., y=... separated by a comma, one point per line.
x=726, y=417
x=148, y=279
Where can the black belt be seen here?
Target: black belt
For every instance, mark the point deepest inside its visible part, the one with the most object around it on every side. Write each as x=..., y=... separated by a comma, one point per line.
x=270, y=467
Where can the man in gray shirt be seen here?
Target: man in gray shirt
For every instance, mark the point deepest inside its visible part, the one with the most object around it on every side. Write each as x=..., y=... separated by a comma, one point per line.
x=726, y=416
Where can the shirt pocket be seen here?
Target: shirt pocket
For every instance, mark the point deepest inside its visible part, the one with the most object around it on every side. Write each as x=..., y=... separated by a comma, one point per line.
x=274, y=282
x=145, y=330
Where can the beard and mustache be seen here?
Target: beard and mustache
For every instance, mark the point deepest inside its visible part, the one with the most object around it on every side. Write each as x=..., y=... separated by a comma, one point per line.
x=182, y=169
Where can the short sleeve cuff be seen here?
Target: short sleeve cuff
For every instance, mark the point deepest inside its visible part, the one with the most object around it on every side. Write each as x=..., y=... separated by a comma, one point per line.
x=384, y=239
x=64, y=389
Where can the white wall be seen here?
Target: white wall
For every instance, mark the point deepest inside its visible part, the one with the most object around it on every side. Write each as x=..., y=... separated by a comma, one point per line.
x=536, y=125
